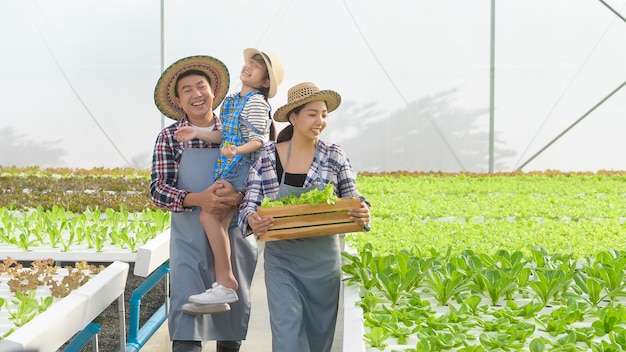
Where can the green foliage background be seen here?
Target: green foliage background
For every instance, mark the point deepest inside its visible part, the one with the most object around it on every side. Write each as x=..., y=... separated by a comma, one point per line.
x=580, y=213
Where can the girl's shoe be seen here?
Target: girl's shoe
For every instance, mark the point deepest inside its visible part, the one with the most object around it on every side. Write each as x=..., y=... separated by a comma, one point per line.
x=216, y=294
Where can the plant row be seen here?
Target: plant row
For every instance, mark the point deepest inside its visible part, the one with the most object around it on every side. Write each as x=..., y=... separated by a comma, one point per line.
x=75, y=193
x=72, y=172
x=94, y=229
x=579, y=214
x=598, y=196
x=504, y=301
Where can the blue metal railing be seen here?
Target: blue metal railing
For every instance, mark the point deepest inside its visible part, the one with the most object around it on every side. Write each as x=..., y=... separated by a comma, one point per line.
x=83, y=337
x=137, y=337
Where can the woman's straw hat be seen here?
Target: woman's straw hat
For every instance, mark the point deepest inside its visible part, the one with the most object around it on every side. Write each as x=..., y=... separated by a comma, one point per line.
x=274, y=67
x=164, y=92
x=304, y=93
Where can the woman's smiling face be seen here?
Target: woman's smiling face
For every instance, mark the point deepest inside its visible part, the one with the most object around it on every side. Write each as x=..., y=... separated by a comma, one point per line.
x=311, y=120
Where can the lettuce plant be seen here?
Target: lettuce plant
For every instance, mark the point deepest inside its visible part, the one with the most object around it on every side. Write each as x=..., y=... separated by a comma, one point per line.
x=494, y=283
x=444, y=287
x=610, y=319
x=312, y=197
x=549, y=284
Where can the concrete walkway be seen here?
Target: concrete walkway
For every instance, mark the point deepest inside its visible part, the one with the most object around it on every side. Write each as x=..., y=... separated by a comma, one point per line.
x=259, y=333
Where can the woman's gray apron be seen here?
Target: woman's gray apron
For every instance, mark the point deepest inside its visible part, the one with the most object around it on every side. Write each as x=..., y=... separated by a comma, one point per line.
x=191, y=262
x=302, y=277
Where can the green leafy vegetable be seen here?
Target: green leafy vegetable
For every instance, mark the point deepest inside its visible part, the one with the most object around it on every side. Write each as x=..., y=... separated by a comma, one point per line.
x=313, y=197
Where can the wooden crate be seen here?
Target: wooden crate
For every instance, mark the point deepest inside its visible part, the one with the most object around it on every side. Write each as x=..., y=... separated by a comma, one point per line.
x=304, y=220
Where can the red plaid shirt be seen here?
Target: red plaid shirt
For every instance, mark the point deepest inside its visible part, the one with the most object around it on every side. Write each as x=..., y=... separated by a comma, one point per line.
x=166, y=156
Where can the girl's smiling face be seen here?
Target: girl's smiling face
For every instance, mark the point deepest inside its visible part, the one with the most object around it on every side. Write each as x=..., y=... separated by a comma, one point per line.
x=254, y=73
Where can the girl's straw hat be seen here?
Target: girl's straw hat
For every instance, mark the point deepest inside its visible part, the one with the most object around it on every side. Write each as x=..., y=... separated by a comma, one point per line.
x=274, y=67
x=164, y=92
x=304, y=93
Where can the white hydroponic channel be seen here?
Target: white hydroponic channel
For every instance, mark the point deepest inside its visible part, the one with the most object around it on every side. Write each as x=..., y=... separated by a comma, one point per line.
x=53, y=327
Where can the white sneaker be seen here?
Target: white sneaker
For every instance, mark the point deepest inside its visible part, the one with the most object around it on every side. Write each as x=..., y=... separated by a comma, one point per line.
x=216, y=294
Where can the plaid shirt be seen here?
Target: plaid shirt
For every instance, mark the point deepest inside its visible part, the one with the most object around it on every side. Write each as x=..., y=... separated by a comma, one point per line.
x=263, y=179
x=165, y=160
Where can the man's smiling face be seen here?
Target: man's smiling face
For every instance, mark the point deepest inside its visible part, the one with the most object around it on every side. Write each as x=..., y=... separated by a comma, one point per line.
x=194, y=96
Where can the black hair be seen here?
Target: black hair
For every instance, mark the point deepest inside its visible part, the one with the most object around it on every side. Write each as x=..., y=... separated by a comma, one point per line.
x=273, y=131
x=287, y=132
x=189, y=73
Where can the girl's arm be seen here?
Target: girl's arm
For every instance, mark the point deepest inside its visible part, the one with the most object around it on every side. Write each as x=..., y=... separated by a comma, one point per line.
x=250, y=147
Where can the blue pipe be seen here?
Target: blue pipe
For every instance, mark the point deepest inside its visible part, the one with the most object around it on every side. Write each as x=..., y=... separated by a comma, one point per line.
x=138, y=337
x=83, y=337
x=147, y=330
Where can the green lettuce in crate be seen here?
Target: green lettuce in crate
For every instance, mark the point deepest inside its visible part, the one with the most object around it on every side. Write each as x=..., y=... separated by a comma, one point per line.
x=313, y=197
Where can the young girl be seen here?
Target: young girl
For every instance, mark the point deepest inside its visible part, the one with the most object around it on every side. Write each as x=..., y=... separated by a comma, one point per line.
x=302, y=276
x=246, y=122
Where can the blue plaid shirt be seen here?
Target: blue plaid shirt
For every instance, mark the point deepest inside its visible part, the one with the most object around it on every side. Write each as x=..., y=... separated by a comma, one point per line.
x=263, y=179
x=165, y=159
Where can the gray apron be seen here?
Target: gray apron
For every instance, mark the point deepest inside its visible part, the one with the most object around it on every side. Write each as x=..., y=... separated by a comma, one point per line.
x=191, y=262
x=302, y=278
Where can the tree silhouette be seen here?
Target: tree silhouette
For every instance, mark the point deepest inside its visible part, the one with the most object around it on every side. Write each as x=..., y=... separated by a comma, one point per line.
x=429, y=134
x=20, y=152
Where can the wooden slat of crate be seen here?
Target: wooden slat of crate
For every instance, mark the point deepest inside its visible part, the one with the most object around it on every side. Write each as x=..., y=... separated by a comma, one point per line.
x=300, y=209
x=304, y=220
x=310, y=231
x=310, y=220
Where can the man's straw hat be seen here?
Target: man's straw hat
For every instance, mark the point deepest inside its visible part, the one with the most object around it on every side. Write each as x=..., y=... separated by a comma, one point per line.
x=164, y=92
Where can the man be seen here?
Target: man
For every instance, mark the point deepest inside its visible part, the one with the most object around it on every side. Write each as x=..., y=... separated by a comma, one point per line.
x=182, y=182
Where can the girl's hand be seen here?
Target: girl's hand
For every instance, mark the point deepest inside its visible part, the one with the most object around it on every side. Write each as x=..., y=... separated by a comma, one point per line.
x=229, y=151
x=360, y=215
x=258, y=224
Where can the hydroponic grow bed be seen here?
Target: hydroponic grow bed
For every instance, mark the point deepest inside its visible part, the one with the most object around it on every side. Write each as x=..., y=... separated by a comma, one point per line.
x=65, y=317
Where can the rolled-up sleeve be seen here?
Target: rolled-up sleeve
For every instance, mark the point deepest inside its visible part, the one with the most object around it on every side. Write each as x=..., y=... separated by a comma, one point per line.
x=167, y=152
x=262, y=183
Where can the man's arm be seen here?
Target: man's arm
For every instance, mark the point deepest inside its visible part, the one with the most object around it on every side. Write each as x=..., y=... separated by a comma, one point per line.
x=214, y=137
x=187, y=133
x=217, y=198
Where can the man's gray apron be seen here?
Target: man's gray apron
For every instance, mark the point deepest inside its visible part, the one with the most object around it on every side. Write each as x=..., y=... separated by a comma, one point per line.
x=191, y=262
x=302, y=277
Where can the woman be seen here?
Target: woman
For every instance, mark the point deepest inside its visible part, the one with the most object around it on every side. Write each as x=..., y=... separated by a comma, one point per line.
x=302, y=276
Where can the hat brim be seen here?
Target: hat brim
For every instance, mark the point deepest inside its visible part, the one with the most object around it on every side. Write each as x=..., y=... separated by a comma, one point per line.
x=250, y=52
x=332, y=99
x=165, y=89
